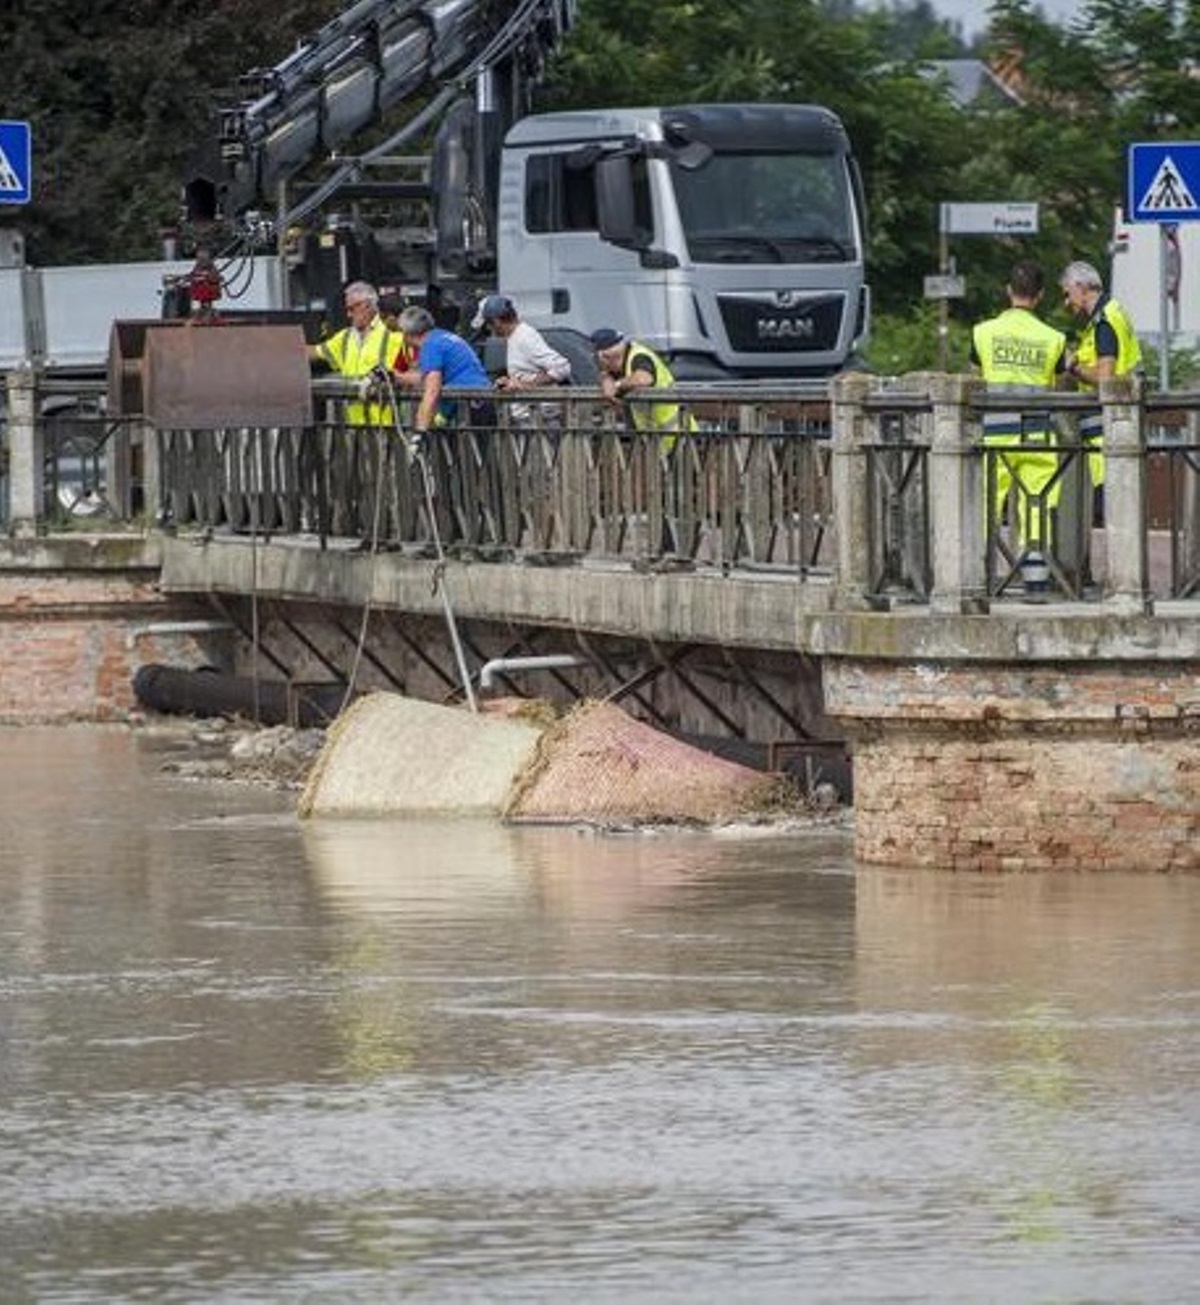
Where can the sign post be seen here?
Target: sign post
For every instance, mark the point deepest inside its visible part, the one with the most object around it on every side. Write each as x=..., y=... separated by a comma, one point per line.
x=14, y=162
x=1014, y=218
x=1163, y=186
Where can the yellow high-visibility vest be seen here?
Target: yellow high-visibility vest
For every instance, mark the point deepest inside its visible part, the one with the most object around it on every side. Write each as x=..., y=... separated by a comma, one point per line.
x=355, y=356
x=662, y=417
x=1129, y=351
x=1017, y=352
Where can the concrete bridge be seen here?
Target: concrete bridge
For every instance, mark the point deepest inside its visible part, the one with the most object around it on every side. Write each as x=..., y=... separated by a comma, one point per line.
x=800, y=577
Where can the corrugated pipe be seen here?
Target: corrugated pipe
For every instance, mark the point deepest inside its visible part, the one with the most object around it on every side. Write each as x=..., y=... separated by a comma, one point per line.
x=548, y=662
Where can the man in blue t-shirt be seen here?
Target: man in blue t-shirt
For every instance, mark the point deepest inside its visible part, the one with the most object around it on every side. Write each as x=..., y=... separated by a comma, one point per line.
x=445, y=361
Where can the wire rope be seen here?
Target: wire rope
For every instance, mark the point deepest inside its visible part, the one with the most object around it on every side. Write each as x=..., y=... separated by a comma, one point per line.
x=382, y=378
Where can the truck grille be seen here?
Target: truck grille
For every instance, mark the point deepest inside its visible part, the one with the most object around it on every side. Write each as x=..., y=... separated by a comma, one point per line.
x=760, y=325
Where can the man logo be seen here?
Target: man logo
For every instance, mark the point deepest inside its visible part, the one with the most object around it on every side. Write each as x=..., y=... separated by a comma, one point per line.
x=785, y=328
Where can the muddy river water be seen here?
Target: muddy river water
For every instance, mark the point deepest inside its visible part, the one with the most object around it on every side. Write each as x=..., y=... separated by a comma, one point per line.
x=249, y=1059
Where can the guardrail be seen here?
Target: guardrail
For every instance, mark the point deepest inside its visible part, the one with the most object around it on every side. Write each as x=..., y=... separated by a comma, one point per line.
x=64, y=462
x=919, y=473
x=874, y=485
x=552, y=472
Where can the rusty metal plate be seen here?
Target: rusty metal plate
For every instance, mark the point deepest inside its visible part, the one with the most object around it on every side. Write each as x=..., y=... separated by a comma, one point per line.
x=126, y=347
x=208, y=376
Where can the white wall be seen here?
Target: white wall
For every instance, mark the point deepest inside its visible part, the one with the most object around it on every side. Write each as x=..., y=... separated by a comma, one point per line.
x=1136, y=280
x=81, y=303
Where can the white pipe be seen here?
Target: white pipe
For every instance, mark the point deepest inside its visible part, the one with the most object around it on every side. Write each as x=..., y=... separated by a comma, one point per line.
x=176, y=627
x=502, y=665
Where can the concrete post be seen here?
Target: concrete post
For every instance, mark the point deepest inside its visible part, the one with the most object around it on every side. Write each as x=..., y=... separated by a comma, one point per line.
x=848, y=477
x=26, y=455
x=1127, y=585
x=1189, y=520
x=145, y=437
x=956, y=510
x=118, y=463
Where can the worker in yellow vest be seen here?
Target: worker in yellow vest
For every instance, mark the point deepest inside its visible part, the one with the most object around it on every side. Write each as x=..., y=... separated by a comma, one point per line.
x=1019, y=354
x=627, y=365
x=359, y=349
x=1107, y=346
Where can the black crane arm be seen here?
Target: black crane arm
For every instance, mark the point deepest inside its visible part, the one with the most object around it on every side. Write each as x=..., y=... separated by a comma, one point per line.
x=371, y=59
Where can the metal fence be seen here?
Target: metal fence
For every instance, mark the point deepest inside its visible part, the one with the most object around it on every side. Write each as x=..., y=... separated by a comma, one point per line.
x=80, y=463
x=748, y=483
x=1057, y=518
x=551, y=472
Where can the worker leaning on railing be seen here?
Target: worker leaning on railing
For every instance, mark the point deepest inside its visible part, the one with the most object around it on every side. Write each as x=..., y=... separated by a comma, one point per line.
x=445, y=361
x=627, y=365
x=361, y=347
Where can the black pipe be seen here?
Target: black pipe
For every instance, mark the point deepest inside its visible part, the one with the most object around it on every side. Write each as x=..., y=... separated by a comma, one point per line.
x=207, y=693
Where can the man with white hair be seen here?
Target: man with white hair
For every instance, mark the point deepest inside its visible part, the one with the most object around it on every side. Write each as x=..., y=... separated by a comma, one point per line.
x=361, y=347
x=1107, y=345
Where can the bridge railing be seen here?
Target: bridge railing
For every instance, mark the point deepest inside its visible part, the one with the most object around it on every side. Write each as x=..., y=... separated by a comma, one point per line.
x=742, y=481
x=63, y=458
x=914, y=472
x=876, y=484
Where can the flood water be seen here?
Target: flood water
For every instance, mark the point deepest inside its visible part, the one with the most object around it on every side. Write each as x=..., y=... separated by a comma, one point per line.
x=244, y=1059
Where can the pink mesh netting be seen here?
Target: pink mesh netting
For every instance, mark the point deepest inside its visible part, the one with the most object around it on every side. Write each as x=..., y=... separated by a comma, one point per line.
x=598, y=763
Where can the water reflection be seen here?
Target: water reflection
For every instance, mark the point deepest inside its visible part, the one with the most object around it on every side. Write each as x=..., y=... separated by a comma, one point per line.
x=1064, y=1011
x=245, y=1059
x=523, y=944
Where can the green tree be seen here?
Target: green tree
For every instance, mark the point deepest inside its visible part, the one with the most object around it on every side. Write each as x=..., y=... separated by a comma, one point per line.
x=118, y=94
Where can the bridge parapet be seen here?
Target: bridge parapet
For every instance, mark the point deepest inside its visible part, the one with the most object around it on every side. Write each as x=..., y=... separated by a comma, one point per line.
x=875, y=484
x=916, y=473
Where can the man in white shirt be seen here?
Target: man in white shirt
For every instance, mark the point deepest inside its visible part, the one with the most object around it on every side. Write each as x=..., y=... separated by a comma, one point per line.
x=530, y=363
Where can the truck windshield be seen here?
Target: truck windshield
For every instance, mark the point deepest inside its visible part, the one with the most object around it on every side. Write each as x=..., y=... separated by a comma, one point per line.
x=766, y=208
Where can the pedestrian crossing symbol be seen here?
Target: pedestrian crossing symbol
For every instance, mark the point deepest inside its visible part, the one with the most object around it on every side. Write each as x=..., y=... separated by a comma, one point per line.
x=1168, y=193
x=1164, y=182
x=14, y=163
x=8, y=174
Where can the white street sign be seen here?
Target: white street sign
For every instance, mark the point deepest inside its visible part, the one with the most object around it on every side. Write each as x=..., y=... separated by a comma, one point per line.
x=945, y=287
x=1011, y=219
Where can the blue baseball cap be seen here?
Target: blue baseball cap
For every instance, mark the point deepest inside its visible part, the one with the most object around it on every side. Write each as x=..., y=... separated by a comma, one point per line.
x=491, y=307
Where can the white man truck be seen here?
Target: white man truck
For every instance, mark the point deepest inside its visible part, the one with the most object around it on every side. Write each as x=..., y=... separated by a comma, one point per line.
x=728, y=236
x=731, y=237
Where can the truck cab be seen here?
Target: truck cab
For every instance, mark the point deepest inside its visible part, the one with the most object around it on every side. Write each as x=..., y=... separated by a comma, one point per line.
x=728, y=237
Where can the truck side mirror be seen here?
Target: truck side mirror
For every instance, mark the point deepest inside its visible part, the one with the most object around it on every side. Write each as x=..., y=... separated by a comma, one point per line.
x=616, y=210
x=695, y=154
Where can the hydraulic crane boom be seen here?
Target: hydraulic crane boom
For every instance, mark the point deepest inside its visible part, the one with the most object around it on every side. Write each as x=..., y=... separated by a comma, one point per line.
x=729, y=237
x=370, y=61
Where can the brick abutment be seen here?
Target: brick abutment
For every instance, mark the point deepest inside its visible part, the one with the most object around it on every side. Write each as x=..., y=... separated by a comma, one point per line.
x=71, y=640
x=1071, y=766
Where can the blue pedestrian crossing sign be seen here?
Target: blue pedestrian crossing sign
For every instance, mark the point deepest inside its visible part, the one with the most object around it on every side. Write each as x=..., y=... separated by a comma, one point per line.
x=14, y=162
x=1164, y=182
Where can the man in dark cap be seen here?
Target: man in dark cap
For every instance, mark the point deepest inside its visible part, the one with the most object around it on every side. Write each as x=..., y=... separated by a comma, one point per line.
x=627, y=365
